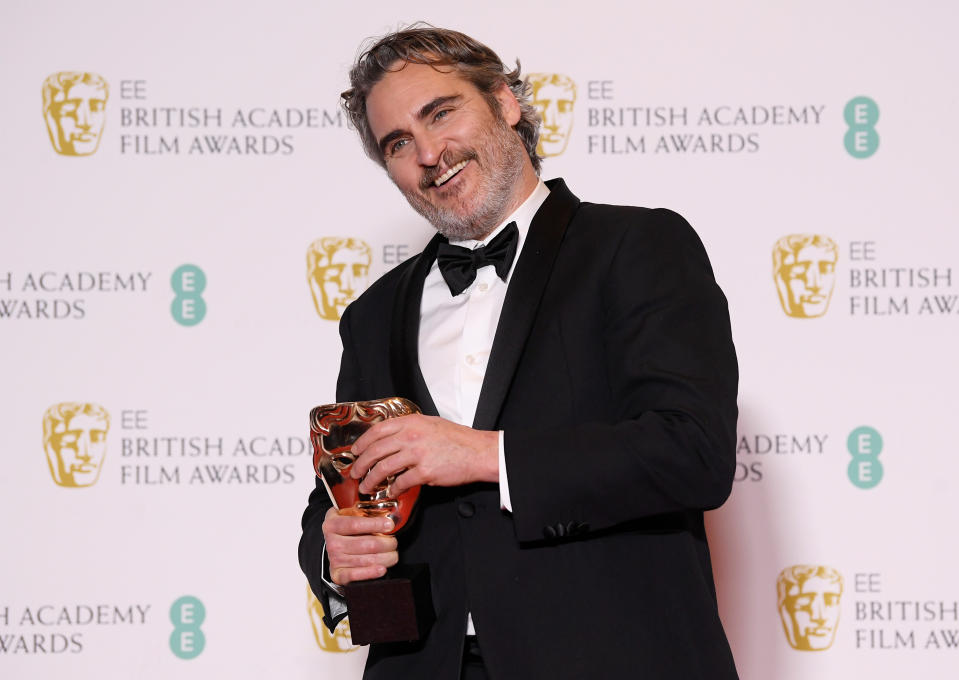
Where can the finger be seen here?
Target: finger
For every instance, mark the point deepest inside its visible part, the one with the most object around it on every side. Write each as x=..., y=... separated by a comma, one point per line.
x=384, y=428
x=346, y=575
x=391, y=465
x=342, y=546
x=385, y=559
x=340, y=524
x=406, y=481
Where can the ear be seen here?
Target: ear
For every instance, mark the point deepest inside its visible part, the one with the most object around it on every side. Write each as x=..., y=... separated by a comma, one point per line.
x=508, y=104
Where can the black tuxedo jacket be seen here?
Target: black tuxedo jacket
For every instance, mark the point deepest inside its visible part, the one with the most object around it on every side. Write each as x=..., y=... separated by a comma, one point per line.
x=613, y=377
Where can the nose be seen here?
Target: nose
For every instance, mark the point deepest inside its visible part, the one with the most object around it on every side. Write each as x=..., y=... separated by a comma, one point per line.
x=429, y=149
x=551, y=115
x=83, y=447
x=83, y=114
x=347, y=281
x=813, y=276
x=816, y=610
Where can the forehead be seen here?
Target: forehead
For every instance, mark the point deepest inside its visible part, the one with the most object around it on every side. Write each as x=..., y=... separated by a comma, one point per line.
x=812, y=253
x=81, y=421
x=394, y=101
x=82, y=90
x=817, y=584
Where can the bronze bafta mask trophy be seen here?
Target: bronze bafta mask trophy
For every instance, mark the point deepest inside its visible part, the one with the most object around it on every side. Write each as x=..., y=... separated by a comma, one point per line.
x=397, y=607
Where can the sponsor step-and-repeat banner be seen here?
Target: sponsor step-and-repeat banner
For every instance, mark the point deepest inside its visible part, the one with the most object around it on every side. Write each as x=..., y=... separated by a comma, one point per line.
x=187, y=214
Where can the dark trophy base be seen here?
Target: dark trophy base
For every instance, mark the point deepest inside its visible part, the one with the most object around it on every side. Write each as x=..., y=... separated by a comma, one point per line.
x=396, y=608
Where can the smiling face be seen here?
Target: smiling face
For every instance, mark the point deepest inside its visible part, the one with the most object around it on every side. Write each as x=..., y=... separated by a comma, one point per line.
x=458, y=162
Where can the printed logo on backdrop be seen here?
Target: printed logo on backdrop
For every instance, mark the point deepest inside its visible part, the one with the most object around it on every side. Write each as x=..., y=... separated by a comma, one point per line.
x=188, y=307
x=901, y=620
x=75, y=442
x=554, y=96
x=861, y=115
x=864, y=445
x=758, y=452
x=337, y=270
x=50, y=629
x=806, y=271
x=74, y=110
x=620, y=124
x=808, y=597
x=340, y=639
x=53, y=295
x=187, y=640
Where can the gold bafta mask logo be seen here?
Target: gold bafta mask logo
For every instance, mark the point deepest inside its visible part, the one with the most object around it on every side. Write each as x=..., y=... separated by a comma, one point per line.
x=804, y=269
x=337, y=641
x=553, y=96
x=338, y=270
x=808, y=602
x=74, y=109
x=75, y=441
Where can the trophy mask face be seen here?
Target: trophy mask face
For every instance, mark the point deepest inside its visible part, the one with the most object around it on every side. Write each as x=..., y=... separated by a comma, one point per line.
x=554, y=96
x=339, y=271
x=75, y=112
x=806, y=275
x=75, y=441
x=333, y=429
x=810, y=610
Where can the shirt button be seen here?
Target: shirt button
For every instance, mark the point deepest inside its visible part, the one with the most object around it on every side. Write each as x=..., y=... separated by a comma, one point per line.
x=470, y=359
x=483, y=287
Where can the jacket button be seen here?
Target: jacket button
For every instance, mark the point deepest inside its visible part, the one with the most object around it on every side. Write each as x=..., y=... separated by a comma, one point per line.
x=466, y=509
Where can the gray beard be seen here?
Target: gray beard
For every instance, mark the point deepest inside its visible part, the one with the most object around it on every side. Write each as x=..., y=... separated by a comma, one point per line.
x=505, y=152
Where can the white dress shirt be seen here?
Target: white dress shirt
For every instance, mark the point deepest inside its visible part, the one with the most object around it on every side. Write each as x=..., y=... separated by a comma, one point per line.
x=456, y=333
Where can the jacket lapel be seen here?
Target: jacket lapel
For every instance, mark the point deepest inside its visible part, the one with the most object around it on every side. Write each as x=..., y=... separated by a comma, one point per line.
x=525, y=291
x=408, y=380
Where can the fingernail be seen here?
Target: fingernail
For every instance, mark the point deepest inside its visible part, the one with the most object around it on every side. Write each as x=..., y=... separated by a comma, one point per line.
x=388, y=524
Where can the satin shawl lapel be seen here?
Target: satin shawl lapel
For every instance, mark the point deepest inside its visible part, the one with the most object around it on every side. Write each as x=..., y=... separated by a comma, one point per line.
x=405, y=330
x=525, y=290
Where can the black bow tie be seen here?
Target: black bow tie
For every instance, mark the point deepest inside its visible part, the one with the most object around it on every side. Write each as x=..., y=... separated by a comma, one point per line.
x=458, y=265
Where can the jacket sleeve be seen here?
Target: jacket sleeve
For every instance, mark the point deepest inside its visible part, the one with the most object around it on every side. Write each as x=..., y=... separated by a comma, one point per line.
x=666, y=440
x=312, y=554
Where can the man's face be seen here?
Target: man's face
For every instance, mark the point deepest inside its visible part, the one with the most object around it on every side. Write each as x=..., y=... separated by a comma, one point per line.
x=457, y=162
x=811, y=613
x=807, y=279
x=555, y=105
x=345, y=277
x=76, y=449
x=79, y=113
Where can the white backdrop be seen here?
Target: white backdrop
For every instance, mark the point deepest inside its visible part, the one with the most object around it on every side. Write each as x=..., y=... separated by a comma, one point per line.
x=196, y=486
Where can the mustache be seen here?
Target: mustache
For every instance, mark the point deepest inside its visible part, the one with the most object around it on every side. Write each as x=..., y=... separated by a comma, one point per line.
x=447, y=161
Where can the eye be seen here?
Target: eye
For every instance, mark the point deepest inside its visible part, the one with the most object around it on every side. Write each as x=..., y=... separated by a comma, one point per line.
x=397, y=146
x=442, y=113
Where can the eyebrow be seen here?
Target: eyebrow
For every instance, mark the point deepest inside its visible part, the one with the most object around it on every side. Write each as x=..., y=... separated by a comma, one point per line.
x=424, y=112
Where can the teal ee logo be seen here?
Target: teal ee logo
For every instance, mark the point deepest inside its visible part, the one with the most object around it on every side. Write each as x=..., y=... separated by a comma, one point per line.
x=865, y=445
x=187, y=640
x=188, y=306
x=861, y=114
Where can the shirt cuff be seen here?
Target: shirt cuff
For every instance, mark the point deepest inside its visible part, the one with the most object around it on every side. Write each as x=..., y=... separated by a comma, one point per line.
x=504, y=502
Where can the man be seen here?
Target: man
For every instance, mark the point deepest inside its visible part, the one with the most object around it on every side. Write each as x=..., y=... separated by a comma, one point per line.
x=808, y=603
x=564, y=529
x=75, y=441
x=74, y=108
x=804, y=268
x=338, y=270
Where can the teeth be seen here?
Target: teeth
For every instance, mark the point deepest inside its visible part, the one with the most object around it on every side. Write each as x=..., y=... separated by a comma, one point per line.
x=442, y=179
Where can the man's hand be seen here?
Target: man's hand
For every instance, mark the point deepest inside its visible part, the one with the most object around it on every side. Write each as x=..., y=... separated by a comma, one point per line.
x=427, y=450
x=355, y=547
